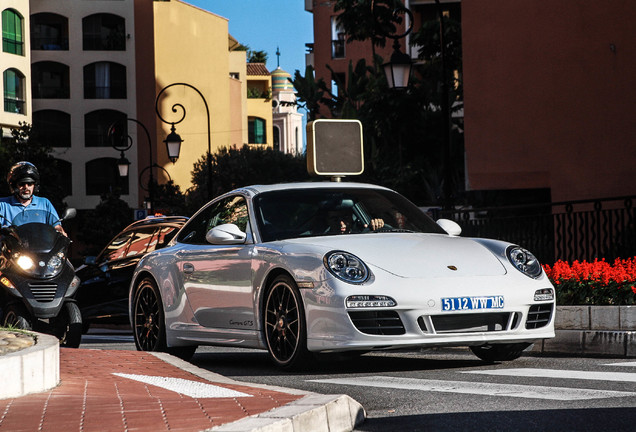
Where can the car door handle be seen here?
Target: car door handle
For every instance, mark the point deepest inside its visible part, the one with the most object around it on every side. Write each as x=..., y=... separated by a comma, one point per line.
x=188, y=268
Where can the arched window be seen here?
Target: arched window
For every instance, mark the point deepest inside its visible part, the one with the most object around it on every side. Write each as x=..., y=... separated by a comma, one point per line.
x=12, y=39
x=14, y=99
x=256, y=130
x=49, y=31
x=52, y=127
x=104, y=32
x=50, y=80
x=104, y=80
x=65, y=169
x=102, y=176
x=97, y=123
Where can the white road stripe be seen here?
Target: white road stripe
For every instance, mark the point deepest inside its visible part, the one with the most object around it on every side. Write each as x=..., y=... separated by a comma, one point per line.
x=193, y=389
x=555, y=373
x=628, y=364
x=488, y=389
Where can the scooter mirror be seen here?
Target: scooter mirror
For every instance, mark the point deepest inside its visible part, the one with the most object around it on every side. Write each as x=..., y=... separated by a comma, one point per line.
x=69, y=213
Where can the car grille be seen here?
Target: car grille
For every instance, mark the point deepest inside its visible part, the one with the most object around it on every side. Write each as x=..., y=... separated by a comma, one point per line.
x=468, y=323
x=43, y=292
x=539, y=316
x=377, y=322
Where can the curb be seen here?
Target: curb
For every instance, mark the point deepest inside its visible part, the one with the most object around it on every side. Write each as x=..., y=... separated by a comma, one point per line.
x=314, y=412
x=614, y=343
x=31, y=370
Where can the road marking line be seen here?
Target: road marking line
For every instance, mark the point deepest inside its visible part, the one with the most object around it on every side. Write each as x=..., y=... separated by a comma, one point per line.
x=488, y=389
x=194, y=389
x=629, y=364
x=555, y=373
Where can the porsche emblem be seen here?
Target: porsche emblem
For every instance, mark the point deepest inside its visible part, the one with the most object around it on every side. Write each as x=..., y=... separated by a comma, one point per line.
x=452, y=268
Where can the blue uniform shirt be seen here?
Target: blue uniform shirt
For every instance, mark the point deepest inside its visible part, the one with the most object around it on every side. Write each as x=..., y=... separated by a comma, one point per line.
x=10, y=208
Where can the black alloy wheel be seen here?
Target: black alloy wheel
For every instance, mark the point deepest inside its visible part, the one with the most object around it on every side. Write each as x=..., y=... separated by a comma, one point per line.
x=148, y=322
x=285, y=328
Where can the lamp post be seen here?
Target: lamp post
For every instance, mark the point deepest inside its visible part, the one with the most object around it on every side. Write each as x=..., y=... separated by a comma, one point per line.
x=397, y=77
x=173, y=140
x=398, y=69
x=123, y=164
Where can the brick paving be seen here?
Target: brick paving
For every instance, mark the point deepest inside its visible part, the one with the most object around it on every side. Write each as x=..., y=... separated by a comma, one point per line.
x=91, y=398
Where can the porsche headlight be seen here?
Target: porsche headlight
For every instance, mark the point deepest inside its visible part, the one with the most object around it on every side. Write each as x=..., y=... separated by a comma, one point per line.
x=524, y=261
x=346, y=267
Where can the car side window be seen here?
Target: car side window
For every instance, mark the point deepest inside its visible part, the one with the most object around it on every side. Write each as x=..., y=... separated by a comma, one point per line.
x=140, y=241
x=230, y=210
x=117, y=248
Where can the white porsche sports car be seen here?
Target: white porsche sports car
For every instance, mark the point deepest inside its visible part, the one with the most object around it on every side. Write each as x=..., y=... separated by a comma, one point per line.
x=305, y=268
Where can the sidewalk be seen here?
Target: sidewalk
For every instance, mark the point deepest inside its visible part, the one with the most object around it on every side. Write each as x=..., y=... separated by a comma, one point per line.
x=114, y=390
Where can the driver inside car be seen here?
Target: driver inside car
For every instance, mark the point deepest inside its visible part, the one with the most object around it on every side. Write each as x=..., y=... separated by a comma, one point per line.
x=341, y=221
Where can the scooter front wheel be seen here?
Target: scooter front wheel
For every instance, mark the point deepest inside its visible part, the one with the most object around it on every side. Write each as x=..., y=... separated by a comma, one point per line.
x=17, y=317
x=69, y=326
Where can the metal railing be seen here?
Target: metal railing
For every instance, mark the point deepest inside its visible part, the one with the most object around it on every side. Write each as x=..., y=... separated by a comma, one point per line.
x=572, y=230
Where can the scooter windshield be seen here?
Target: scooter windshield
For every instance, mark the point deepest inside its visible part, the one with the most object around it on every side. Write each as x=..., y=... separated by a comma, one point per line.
x=35, y=230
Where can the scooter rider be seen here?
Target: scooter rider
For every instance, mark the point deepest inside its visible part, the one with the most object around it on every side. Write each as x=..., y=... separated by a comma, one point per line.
x=24, y=181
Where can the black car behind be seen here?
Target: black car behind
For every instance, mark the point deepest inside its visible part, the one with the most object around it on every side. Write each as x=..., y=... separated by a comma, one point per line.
x=105, y=279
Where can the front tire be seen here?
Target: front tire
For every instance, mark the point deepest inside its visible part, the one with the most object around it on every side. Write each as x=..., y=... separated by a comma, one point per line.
x=149, y=323
x=284, y=324
x=499, y=352
x=17, y=316
x=68, y=325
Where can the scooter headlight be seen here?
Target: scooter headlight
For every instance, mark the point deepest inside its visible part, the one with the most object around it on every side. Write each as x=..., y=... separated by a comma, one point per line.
x=55, y=265
x=25, y=262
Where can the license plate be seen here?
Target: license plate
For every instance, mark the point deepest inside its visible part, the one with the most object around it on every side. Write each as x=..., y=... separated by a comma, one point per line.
x=470, y=303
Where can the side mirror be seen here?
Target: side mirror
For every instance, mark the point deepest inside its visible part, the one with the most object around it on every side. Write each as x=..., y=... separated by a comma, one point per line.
x=225, y=234
x=451, y=227
x=69, y=213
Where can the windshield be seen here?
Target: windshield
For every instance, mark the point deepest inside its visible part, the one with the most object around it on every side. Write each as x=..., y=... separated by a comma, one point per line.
x=332, y=211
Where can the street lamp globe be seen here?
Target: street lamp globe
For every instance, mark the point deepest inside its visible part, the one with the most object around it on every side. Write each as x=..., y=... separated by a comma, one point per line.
x=123, y=165
x=173, y=144
x=398, y=70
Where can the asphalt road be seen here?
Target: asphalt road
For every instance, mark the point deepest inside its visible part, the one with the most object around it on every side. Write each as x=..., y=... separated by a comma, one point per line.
x=448, y=390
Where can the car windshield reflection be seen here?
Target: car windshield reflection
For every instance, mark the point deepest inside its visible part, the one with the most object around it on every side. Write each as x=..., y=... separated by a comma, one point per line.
x=298, y=213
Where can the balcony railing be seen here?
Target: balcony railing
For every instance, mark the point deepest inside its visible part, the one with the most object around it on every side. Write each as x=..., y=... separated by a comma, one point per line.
x=48, y=43
x=14, y=105
x=573, y=230
x=51, y=92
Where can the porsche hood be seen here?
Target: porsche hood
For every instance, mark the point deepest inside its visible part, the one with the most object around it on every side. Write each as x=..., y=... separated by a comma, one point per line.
x=416, y=255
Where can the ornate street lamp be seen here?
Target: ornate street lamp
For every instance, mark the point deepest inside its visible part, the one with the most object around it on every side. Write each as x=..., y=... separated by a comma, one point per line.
x=173, y=140
x=398, y=69
x=123, y=164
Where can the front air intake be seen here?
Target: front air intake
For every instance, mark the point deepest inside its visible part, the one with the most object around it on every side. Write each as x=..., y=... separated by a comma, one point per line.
x=377, y=322
x=539, y=315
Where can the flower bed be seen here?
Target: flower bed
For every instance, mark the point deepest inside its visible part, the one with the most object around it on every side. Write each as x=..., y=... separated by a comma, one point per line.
x=594, y=283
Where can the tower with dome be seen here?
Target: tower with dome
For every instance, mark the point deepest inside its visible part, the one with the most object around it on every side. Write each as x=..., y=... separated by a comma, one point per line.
x=287, y=120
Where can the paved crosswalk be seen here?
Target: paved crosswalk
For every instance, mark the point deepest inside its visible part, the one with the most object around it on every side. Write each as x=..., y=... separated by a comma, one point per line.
x=560, y=392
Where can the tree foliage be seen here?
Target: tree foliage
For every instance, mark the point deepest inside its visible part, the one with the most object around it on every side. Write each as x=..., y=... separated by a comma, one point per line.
x=237, y=167
x=404, y=136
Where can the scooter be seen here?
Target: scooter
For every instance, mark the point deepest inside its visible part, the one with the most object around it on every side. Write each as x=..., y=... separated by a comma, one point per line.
x=37, y=281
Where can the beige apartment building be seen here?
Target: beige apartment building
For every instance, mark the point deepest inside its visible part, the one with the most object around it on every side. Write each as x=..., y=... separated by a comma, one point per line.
x=95, y=64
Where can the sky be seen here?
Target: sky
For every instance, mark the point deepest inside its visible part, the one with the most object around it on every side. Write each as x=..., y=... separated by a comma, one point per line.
x=265, y=25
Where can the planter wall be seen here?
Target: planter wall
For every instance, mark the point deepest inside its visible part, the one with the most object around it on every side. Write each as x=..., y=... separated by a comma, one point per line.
x=593, y=330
